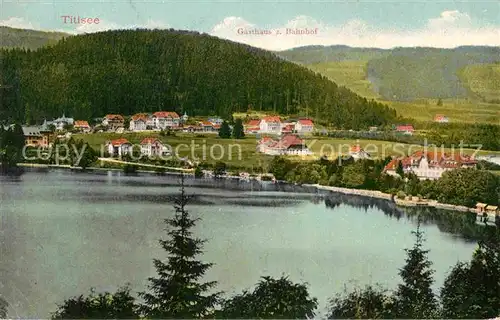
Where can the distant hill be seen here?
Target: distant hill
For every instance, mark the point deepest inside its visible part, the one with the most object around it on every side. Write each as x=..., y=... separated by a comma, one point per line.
x=482, y=80
x=403, y=74
x=29, y=39
x=321, y=54
x=130, y=71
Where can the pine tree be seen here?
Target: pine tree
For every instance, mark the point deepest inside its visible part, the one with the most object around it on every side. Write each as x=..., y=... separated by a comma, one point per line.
x=177, y=292
x=414, y=297
x=225, y=130
x=238, y=130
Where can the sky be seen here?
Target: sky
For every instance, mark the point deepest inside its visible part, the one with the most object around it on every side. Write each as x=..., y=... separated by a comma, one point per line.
x=382, y=24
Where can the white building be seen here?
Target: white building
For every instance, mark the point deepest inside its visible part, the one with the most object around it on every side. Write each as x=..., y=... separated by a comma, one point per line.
x=138, y=122
x=270, y=124
x=289, y=144
x=166, y=119
x=153, y=147
x=304, y=126
x=119, y=147
x=430, y=165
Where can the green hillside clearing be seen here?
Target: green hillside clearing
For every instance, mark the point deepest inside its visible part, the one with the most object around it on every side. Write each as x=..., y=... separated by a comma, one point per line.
x=482, y=80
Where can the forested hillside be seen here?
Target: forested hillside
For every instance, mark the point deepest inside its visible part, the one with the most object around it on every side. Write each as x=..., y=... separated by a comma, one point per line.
x=29, y=39
x=129, y=71
x=406, y=74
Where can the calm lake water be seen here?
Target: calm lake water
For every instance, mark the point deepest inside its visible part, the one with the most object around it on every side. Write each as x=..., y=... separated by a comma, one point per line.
x=62, y=233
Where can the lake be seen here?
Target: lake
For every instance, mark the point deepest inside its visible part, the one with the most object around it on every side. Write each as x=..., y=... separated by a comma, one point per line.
x=62, y=233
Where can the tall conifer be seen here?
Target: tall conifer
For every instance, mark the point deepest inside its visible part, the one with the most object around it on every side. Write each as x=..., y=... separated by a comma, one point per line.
x=177, y=291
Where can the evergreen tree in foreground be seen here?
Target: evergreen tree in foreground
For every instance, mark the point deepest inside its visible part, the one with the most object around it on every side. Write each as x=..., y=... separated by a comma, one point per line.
x=119, y=305
x=238, y=130
x=271, y=299
x=414, y=297
x=177, y=291
x=472, y=290
x=225, y=130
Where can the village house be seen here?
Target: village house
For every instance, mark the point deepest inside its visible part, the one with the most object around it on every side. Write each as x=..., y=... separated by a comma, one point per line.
x=139, y=122
x=82, y=126
x=35, y=136
x=119, y=147
x=289, y=144
x=481, y=207
x=61, y=123
x=304, y=126
x=207, y=126
x=493, y=210
x=356, y=152
x=113, y=121
x=287, y=128
x=252, y=126
x=192, y=128
x=216, y=121
x=270, y=124
x=405, y=129
x=166, y=119
x=441, y=118
x=430, y=165
x=153, y=147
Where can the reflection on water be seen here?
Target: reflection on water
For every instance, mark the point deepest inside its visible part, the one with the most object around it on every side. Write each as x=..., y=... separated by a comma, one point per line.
x=63, y=232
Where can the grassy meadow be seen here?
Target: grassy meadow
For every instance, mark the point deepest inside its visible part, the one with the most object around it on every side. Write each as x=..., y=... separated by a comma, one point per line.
x=482, y=79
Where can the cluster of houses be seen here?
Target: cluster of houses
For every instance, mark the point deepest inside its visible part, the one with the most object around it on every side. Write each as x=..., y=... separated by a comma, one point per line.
x=484, y=210
x=274, y=125
x=148, y=147
x=288, y=144
x=430, y=165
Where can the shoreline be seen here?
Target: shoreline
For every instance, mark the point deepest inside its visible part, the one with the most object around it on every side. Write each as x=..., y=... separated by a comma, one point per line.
x=347, y=191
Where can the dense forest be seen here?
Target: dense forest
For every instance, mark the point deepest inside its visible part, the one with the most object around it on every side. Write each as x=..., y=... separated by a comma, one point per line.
x=129, y=71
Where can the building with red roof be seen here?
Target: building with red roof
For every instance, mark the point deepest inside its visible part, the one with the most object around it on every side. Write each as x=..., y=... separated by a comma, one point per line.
x=252, y=126
x=358, y=153
x=207, y=126
x=304, y=126
x=430, y=165
x=113, y=121
x=166, y=119
x=153, y=147
x=405, y=129
x=441, y=118
x=119, y=147
x=289, y=144
x=82, y=126
x=139, y=122
x=270, y=124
